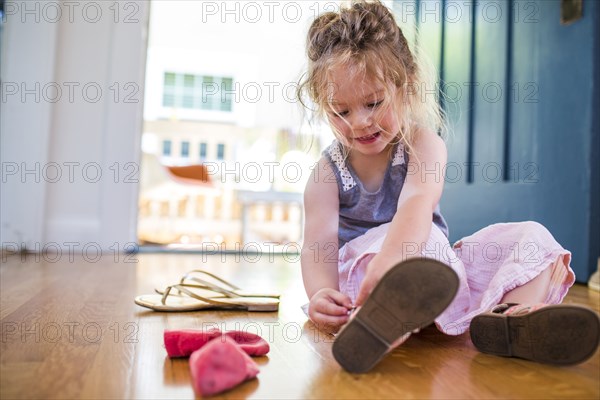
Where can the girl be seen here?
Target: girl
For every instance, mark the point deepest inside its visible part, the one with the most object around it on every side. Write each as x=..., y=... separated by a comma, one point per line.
x=374, y=236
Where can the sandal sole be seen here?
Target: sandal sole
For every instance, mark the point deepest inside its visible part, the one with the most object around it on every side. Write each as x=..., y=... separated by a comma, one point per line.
x=178, y=303
x=409, y=296
x=559, y=335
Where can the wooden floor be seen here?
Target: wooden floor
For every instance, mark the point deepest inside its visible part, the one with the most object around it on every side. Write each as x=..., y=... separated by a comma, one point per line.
x=70, y=330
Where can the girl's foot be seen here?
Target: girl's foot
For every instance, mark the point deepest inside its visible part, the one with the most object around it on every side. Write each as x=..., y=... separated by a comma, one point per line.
x=408, y=297
x=553, y=334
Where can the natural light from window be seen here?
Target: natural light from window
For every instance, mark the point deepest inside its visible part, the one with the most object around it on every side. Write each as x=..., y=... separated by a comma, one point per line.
x=226, y=146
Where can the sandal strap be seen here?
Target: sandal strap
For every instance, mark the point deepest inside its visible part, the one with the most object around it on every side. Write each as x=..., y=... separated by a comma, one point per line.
x=503, y=307
x=524, y=309
x=227, y=290
x=517, y=308
x=210, y=288
x=182, y=289
x=223, y=281
x=202, y=284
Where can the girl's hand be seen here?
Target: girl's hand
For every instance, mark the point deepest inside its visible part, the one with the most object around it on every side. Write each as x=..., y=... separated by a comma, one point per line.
x=375, y=270
x=328, y=309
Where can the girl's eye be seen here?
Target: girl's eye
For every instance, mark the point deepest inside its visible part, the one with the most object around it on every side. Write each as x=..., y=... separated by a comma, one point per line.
x=340, y=113
x=374, y=104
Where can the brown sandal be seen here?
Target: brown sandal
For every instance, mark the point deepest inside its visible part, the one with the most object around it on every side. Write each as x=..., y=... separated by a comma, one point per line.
x=409, y=296
x=553, y=334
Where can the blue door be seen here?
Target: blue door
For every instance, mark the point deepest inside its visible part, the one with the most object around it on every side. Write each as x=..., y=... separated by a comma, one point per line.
x=522, y=108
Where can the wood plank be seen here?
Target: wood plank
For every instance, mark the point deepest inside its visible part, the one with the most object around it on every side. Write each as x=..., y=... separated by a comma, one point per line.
x=115, y=348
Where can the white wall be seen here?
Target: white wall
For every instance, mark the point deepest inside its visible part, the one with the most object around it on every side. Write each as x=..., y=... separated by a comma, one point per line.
x=67, y=140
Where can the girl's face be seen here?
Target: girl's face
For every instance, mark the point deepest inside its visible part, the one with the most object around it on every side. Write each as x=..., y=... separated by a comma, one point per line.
x=359, y=111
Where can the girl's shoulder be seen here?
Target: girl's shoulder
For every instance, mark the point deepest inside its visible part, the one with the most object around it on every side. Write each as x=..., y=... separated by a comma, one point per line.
x=322, y=185
x=427, y=140
x=323, y=171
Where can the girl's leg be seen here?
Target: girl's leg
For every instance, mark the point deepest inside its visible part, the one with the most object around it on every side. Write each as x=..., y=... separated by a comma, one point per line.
x=534, y=291
x=547, y=287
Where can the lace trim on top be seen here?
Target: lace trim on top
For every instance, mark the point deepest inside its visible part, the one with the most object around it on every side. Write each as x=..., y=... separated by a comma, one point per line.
x=399, y=156
x=337, y=157
x=348, y=181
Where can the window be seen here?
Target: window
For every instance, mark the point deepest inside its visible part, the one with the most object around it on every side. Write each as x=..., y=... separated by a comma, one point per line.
x=185, y=149
x=202, y=152
x=220, y=151
x=188, y=91
x=201, y=92
x=169, y=90
x=166, y=148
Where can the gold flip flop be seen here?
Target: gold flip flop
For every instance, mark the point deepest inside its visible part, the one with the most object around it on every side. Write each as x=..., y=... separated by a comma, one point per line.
x=227, y=289
x=187, y=300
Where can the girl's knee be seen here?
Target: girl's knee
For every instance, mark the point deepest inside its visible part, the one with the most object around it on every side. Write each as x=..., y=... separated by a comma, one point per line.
x=531, y=226
x=530, y=231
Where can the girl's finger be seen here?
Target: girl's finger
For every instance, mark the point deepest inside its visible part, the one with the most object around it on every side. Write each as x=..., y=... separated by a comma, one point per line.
x=364, y=292
x=341, y=299
x=327, y=306
x=330, y=321
x=333, y=309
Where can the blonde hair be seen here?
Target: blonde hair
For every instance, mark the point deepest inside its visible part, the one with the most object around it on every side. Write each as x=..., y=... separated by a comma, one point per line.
x=365, y=37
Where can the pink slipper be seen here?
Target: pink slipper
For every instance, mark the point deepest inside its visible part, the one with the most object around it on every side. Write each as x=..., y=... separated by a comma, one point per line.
x=183, y=342
x=219, y=366
x=251, y=343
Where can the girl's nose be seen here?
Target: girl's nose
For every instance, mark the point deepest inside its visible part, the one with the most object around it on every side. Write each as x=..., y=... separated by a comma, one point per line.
x=361, y=119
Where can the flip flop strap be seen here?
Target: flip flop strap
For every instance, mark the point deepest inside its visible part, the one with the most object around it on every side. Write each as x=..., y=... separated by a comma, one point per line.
x=215, y=277
x=182, y=289
x=209, y=286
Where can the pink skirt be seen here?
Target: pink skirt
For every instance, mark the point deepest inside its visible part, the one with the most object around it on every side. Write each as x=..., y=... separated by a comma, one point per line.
x=489, y=264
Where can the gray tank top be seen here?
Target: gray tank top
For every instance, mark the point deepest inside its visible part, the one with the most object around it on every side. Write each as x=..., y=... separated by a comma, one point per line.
x=361, y=210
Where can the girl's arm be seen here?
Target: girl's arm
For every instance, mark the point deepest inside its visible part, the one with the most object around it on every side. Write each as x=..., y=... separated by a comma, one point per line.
x=319, y=258
x=320, y=248
x=411, y=225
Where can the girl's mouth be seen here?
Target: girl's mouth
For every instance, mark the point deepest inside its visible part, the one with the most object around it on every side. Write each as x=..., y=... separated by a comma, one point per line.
x=368, y=139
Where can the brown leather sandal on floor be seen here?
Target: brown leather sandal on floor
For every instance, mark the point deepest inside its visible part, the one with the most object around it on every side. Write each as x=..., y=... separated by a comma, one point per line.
x=409, y=296
x=560, y=334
